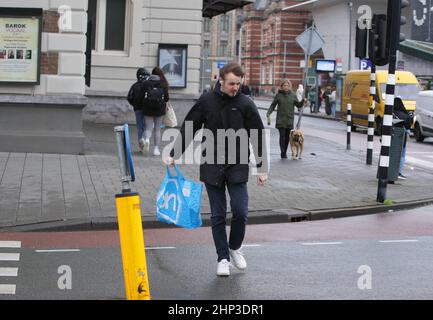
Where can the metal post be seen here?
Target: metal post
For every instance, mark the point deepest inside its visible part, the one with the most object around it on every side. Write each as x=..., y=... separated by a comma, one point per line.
x=389, y=106
x=349, y=124
x=240, y=47
x=130, y=227
x=285, y=54
x=124, y=174
x=350, y=4
x=371, y=116
x=307, y=60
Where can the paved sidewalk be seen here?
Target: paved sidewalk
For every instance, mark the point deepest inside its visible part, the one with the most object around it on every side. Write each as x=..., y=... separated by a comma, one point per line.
x=52, y=191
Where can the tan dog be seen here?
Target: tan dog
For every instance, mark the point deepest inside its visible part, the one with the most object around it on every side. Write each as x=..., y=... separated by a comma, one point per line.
x=296, y=140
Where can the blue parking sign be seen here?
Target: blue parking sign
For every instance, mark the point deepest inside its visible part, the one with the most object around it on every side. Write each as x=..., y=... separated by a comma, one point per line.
x=364, y=64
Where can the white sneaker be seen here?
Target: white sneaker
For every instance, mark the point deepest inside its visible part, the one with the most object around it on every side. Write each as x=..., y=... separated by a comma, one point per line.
x=156, y=151
x=141, y=144
x=237, y=258
x=146, y=145
x=223, y=268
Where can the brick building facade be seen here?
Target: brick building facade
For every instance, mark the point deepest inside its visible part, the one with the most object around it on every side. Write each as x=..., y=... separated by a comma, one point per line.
x=269, y=52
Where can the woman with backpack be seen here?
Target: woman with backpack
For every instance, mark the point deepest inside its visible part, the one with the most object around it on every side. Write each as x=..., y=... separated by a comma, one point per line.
x=155, y=101
x=135, y=98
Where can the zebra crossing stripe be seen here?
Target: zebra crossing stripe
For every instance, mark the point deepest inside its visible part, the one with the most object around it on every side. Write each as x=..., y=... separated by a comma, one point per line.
x=9, y=257
x=8, y=272
x=7, y=288
x=10, y=244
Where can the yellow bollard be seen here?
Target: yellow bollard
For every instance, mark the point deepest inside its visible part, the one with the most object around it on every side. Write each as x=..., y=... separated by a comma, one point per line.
x=132, y=246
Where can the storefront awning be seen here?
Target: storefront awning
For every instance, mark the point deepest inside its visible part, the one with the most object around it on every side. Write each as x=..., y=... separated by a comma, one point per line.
x=213, y=8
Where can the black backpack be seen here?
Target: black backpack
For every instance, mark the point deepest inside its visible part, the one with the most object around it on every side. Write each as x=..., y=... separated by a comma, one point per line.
x=153, y=98
x=136, y=94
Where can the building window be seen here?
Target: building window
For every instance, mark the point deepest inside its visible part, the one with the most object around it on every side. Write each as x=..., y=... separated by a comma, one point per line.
x=271, y=73
x=225, y=20
x=206, y=25
x=238, y=51
x=263, y=74
x=223, y=49
x=108, y=18
x=206, y=48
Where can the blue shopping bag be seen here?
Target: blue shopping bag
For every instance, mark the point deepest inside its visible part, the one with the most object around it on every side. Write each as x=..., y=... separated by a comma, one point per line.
x=178, y=201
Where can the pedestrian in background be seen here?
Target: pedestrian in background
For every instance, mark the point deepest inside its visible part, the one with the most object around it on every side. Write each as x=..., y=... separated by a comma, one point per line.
x=401, y=113
x=155, y=109
x=135, y=98
x=326, y=96
x=333, y=101
x=245, y=89
x=312, y=98
x=320, y=98
x=225, y=108
x=286, y=101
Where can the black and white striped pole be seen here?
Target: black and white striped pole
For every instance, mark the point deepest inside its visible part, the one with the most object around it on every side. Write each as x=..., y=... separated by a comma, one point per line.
x=349, y=124
x=394, y=20
x=371, y=117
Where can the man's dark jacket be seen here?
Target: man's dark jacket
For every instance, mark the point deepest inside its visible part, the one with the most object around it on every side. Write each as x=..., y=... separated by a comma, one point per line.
x=217, y=110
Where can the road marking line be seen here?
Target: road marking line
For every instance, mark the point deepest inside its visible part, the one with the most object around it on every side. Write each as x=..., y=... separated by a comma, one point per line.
x=159, y=248
x=319, y=243
x=251, y=245
x=9, y=256
x=419, y=162
x=7, y=288
x=57, y=250
x=396, y=241
x=10, y=244
x=8, y=272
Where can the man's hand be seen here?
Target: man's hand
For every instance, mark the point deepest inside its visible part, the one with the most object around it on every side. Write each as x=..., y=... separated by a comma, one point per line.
x=169, y=161
x=261, y=179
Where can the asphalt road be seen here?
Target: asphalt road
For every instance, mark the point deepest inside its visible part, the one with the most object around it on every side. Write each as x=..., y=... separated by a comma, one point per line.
x=384, y=256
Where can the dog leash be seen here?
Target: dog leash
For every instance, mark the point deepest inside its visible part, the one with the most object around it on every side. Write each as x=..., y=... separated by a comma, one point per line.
x=298, y=124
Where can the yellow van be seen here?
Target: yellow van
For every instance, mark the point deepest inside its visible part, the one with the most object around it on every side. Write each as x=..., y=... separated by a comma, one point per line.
x=356, y=91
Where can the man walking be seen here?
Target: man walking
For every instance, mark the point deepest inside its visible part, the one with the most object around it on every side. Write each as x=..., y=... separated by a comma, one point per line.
x=227, y=109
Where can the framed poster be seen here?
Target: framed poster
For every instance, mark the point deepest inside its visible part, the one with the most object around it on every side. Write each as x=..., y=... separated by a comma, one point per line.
x=20, y=45
x=172, y=59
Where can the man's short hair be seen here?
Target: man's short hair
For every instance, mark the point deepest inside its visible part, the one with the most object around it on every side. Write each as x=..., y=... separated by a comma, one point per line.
x=232, y=67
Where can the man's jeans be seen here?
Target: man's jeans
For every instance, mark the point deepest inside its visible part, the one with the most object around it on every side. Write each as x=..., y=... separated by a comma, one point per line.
x=139, y=119
x=239, y=205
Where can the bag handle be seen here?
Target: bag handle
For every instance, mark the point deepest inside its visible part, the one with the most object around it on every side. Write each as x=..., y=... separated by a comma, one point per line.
x=178, y=172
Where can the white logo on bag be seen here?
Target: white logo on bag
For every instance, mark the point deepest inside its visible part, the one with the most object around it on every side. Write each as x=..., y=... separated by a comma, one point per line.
x=167, y=198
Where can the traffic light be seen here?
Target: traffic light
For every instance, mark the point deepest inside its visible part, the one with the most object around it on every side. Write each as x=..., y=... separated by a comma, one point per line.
x=396, y=19
x=361, y=42
x=377, y=48
x=403, y=4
